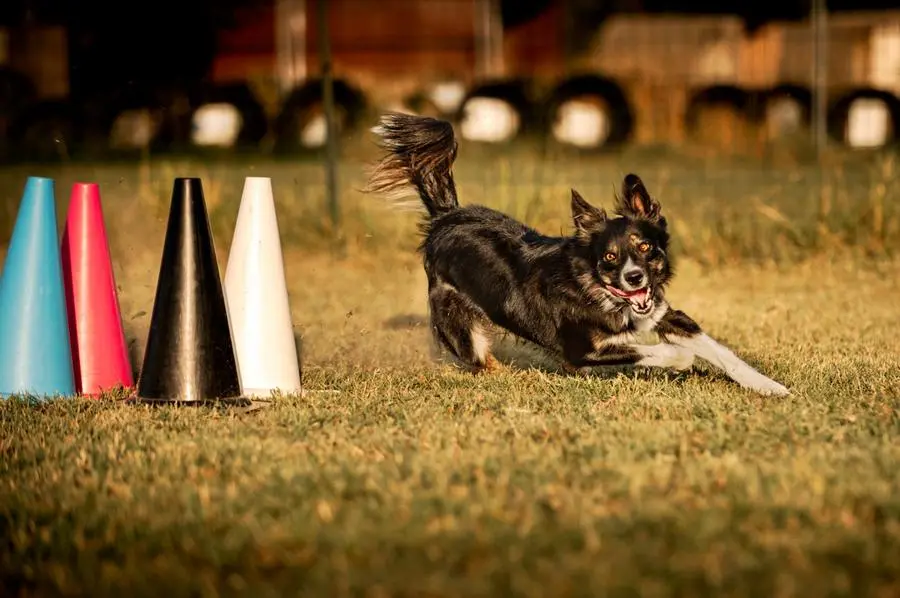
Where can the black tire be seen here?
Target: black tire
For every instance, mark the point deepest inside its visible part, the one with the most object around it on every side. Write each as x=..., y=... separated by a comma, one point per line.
x=766, y=100
x=839, y=112
x=420, y=103
x=46, y=131
x=516, y=93
x=168, y=106
x=302, y=105
x=799, y=93
x=744, y=103
x=254, y=122
x=609, y=93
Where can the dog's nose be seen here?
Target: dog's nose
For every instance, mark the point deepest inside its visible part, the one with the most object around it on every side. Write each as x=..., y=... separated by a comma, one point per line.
x=634, y=278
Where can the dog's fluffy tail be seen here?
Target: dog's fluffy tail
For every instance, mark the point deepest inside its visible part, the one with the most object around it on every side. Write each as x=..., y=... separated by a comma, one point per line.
x=420, y=151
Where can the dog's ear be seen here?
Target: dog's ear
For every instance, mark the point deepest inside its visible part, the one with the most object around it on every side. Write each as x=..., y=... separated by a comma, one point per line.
x=635, y=201
x=586, y=217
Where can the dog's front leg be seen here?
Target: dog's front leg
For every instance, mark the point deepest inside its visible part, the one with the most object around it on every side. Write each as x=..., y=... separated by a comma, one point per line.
x=622, y=350
x=680, y=330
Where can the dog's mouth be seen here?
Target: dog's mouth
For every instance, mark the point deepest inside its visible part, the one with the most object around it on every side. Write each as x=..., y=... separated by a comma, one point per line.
x=641, y=300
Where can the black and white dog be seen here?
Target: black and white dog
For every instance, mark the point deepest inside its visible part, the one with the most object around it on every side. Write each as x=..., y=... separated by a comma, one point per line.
x=584, y=298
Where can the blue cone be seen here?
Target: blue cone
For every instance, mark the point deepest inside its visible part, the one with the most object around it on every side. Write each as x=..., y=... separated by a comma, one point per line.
x=35, y=354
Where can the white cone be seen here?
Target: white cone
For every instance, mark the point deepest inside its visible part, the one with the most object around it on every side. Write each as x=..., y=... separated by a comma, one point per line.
x=257, y=298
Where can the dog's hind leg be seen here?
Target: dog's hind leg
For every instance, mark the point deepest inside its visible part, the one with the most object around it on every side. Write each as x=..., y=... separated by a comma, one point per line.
x=461, y=327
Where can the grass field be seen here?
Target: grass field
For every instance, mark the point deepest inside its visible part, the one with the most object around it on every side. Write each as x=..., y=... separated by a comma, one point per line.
x=399, y=475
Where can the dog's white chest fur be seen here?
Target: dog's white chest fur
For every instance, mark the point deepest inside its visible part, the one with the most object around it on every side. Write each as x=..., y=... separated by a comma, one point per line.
x=647, y=322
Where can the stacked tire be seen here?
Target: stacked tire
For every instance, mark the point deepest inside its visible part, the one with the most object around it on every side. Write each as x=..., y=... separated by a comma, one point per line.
x=587, y=112
x=787, y=109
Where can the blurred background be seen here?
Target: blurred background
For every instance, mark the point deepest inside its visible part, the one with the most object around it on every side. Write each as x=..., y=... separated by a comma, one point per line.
x=783, y=115
x=93, y=77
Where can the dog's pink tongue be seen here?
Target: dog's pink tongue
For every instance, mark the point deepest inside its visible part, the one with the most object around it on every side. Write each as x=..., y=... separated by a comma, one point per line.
x=639, y=295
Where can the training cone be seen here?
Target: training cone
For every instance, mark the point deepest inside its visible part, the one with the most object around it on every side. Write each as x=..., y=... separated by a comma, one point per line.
x=99, y=350
x=190, y=353
x=35, y=356
x=257, y=297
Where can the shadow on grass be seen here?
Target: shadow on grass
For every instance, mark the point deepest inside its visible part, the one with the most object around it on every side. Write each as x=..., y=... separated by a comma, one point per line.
x=406, y=322
x=517, y=354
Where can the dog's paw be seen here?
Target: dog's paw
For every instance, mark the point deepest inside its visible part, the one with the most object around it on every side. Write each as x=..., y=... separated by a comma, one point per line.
x=763, y=385
x=491, y=365
x=775, y=389
x=570, y=369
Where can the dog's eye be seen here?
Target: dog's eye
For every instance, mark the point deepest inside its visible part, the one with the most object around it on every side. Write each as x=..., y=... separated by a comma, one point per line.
x=609, y=257
x=644, y=247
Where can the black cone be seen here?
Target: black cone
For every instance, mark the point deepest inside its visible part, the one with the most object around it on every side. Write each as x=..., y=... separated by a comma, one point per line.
x=190, y=355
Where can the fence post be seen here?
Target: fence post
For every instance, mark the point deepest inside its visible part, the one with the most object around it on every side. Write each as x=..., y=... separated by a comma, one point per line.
x=328, y=100
x=819, y=22
x=290, y=42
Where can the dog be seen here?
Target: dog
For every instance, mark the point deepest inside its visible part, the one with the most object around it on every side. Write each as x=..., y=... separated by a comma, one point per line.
x=584, y=298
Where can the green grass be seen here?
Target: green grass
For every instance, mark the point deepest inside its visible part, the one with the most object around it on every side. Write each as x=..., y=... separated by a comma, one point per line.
x=399, y=475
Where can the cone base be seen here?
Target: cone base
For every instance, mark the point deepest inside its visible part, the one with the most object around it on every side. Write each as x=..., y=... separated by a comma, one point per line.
x=228, y=402
x=36, y=396
x=267, y=393
x=107, y=390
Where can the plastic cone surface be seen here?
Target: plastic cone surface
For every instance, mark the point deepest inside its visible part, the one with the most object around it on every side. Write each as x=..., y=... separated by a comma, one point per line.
x=190, y=352
x=257, y=296
x=99, y=349
x=35, y=356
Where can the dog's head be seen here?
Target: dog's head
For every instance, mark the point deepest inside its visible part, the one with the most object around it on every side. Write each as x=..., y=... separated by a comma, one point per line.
x=624, y=259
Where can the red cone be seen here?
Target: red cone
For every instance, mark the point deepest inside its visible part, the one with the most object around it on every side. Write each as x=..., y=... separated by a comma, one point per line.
x=99, y=350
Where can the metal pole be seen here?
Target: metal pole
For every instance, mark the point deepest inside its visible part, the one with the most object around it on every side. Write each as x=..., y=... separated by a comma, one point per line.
x=488, y=39
x=819, y=22
x=495, y=39
x=481, y=36
x=290, y=43
x=328, y=100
